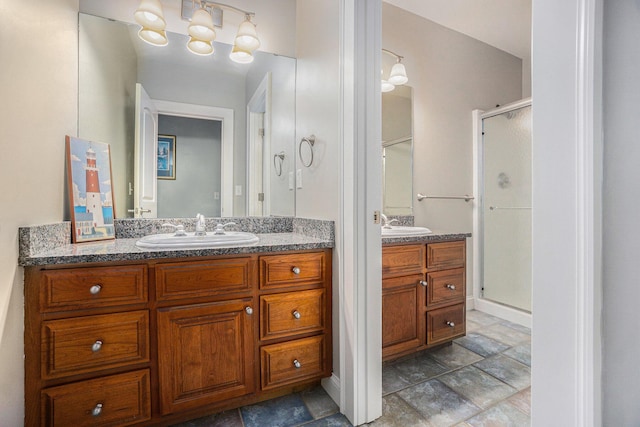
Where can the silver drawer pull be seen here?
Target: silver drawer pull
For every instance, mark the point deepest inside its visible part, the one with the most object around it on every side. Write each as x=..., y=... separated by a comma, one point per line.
x=450, y=286
x=95, y=289
x=296, y=314
x=96, y=346
x=297, y=364
x=248, y=310
x=97, y=410
x=451, y=324
x=424, y=283
x=296, y=270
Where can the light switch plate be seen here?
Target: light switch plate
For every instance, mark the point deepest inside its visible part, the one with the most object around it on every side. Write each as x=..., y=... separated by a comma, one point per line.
x=299, y=178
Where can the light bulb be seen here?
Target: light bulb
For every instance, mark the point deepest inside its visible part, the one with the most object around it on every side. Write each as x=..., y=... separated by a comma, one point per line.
x=201, y=26
x=149, y=15
x=240, y=55
x=398, y=75
x=153, y=37
x=247, y=38
x=200, y=47
x=386, y=86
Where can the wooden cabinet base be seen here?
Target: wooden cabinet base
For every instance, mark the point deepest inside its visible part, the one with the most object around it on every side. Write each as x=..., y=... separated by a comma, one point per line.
x=423, y=296
x=160, y=342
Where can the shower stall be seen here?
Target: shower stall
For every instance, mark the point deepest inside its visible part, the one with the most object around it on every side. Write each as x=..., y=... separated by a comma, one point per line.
x=502, y=215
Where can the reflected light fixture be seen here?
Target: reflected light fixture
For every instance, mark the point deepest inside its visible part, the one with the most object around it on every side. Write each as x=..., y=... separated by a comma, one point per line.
x=201, y=32
x=201, y=28
x=152, y=24
x=398, y=74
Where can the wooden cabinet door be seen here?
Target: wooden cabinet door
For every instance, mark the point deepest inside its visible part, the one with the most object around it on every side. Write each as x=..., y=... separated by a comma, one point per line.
x=205, y=353
x=402, y=320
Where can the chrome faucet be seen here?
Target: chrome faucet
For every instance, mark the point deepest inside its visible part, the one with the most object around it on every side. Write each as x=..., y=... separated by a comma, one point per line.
x=386, y=222
x=201, y=225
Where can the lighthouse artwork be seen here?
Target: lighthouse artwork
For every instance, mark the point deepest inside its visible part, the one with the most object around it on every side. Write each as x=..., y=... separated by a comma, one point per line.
x=89, y=176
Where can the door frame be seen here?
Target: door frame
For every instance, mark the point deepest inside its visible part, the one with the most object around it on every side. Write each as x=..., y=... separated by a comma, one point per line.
x=262, y=92
x=224, y=115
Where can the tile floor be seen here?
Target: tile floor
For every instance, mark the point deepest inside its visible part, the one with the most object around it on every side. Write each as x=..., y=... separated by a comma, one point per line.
x=482, y=379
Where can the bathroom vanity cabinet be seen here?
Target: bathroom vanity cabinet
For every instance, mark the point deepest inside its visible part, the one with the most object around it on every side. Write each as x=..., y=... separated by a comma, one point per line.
x=423, y=296
x=162, y=341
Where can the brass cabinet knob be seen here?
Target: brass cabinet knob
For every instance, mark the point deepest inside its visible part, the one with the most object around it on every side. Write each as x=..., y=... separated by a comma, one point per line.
x=297, y=364
x=248, y=310
x=296, y=314
x=95, y=289
x=96, y=346
x=451, y=324
x=424, y=283
x=296, y=270
x=450, y=286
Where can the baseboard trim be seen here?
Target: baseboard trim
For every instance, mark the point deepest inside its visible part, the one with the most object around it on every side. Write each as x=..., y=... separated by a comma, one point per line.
x=503, y=312
x=332, y=386
x=470, y=303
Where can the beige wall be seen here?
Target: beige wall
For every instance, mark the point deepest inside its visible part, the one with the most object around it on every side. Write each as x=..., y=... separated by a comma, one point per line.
x=39, y=88
x=318, y=113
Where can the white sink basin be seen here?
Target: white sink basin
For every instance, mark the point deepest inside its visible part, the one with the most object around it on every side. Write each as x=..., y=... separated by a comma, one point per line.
x=191, y=241
x=401, y=231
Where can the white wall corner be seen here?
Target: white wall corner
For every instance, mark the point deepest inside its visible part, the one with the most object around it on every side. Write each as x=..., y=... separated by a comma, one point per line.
x=332, y=386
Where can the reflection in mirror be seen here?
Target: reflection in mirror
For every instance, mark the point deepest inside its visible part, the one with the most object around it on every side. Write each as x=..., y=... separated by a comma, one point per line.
x=233, y=176
x=397, y=151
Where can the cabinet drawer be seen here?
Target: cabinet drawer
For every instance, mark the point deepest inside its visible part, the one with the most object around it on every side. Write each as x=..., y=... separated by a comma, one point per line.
x=293, y=361
x=445, y=286
x=201, y=279
x=402, y=260
x=446, y=255
x=445, y=323
x=115, y=400
x=278, y=271
x=80, y=288
x=291, y=313
x=85, y=344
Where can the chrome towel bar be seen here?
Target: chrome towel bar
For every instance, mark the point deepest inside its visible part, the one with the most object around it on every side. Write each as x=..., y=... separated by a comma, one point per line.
x=493, y=208
x=466, y=197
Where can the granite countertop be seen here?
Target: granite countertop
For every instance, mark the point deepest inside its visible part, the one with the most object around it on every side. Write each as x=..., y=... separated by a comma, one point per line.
x=435, y=236
x=51, y=244
x=126, y=250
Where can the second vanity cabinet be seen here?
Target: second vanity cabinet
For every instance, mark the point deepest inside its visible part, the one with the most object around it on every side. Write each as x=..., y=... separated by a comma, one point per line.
x=423, y=296
x=164, y=341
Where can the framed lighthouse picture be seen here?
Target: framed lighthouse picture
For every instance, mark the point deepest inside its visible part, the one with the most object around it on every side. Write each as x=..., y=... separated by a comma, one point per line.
x=90, y=195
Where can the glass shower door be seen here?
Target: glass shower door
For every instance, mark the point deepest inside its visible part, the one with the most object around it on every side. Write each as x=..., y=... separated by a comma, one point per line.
x=506, y=208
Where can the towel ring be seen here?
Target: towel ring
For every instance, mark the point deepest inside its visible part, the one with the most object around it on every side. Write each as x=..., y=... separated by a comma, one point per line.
x=310, y=140
x=277, y=165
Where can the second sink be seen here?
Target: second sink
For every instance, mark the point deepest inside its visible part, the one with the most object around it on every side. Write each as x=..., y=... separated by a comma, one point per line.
x=402, y=231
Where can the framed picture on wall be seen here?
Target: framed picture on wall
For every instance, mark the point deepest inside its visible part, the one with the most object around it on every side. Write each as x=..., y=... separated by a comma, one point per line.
x=90, y=194
x=166, y=157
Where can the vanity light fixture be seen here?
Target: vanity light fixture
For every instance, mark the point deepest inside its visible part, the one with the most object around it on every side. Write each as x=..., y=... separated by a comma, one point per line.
x=398, y=74
x=151, y=19
x=201, y=29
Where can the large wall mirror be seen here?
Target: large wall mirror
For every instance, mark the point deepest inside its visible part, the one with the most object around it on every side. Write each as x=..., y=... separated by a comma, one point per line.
x=397, y=151
x=234, y=124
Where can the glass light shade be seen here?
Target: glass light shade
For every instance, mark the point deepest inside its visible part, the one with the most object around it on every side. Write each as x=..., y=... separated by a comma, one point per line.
x=386, y=86
x=240, y=55
x=398, y=75
x=201, y=26
x=149, y=15
x=247, y=38
x=200, y=47
x=153, y=37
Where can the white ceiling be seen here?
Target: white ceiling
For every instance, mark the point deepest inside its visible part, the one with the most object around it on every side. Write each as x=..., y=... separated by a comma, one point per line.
x=505, y=24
